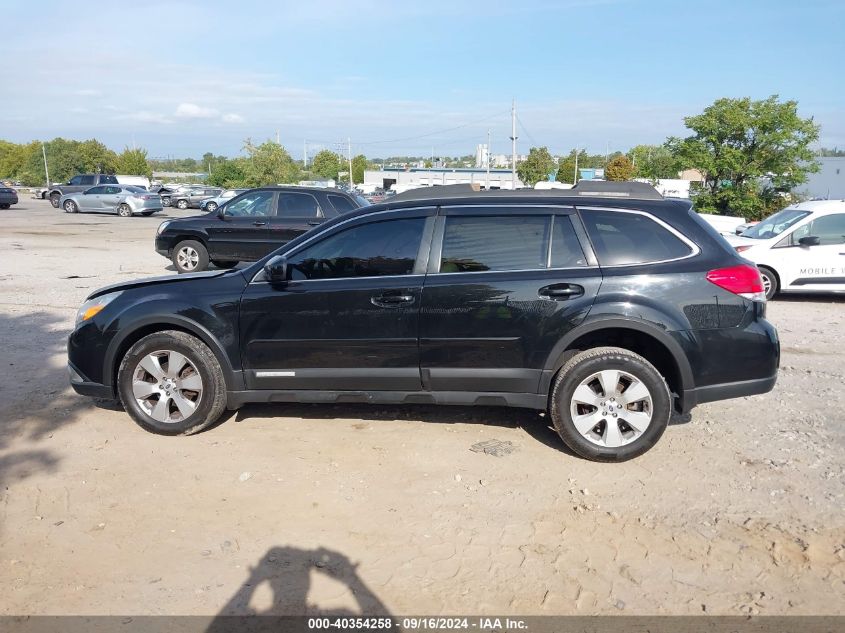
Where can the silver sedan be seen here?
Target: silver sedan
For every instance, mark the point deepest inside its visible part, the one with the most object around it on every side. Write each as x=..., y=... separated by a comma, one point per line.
x=125, y=200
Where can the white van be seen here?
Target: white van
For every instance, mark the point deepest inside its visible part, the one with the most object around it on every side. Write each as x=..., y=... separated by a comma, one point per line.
x=799, y=249
x=138, y=181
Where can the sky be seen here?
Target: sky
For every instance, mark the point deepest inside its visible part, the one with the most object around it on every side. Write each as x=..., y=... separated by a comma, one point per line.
x=423, y=77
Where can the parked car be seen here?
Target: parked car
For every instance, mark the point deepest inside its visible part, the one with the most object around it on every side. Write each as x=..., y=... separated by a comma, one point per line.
x=609, y=313
x=8, y=197
x=125, y=200
x=799, y=249
x=77, y=184
x=191, y=198
x=211, y=204
x=248, y=226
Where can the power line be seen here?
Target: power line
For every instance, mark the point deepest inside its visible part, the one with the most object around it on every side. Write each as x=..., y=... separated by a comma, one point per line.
x=527, y=133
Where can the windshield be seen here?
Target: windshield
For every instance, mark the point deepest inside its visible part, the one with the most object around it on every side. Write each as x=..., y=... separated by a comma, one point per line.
x=775, y=225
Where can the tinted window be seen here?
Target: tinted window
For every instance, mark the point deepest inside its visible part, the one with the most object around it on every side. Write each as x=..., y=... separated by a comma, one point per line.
x=341, y=204
x=107, y=180
x=566, y=249
x=112, y=189
x=86, y=180
x=256, y=204
x=297, y=205
x=76, y=180
x=96, y=190
x=135, y=189
x=367, y=250
x=631, y=238
x=478, y=243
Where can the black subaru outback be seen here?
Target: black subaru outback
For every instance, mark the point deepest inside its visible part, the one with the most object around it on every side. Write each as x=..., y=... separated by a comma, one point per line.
x=607, y=311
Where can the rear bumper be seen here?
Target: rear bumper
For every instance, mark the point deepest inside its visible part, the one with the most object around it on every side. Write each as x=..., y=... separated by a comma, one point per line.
x=726, y=391
x=85, y=387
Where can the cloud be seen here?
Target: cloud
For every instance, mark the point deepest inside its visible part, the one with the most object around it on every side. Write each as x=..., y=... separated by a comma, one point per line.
x=193, y=111
x=232, y=118
x=145, y=116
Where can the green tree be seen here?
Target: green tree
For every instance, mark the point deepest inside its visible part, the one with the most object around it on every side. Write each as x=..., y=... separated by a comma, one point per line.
x=566, y=165
x=133, y=162
x=619, y=168
x=750, y=152
x=326, y=164
x=359, y=165
x=227, y=173
x=654, y=162
x=268, y=164
x=537, y=166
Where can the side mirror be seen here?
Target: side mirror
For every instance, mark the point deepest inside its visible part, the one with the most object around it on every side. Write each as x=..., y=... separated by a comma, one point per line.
x=277, y=270
x=221, y=212
x=809, y=240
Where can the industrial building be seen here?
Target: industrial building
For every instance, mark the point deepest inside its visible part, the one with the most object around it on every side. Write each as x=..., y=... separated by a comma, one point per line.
x=828, y=182
x=402, y=179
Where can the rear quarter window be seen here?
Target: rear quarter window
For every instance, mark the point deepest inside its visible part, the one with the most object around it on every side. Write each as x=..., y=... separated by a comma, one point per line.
x=108, y=180
x=622, y=238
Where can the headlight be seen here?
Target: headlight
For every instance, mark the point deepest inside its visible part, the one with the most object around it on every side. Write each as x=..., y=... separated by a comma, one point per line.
x=162, y=226
x=93, y=307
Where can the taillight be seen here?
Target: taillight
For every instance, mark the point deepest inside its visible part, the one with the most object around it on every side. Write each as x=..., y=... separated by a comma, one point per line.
x=743, y=280
x=744, y=247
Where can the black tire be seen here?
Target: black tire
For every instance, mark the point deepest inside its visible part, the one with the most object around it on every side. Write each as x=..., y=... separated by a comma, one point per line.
x=178, y=256
x=4, y=206
x=224, y=264
x=578, y=369
x=70, y=207
x=165, y=201
x=211, y=207
x=182, y=204
x=54, y=199
x=124, y=210
x=770, y=281
x=211, y=403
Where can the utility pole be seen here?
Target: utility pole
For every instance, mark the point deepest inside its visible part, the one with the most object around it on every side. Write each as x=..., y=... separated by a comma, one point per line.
x=349, y=158
x=513, y=144
x=277, y=138
x=305, y=153
x=487, y=182
x=46, y=173
x=575, y=176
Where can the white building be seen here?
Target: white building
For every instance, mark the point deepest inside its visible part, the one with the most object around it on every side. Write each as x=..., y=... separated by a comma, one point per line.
x=482, y=155
x=415, y=177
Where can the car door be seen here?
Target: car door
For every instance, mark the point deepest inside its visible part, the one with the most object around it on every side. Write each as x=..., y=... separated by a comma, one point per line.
x=813, y=256
x=348, y=317
x=111, y=197
x=240, y=233
x=91, y=199
x=296, y=212
x=504, y=284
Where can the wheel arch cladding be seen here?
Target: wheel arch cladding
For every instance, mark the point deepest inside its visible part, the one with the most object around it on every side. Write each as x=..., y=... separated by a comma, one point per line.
x=656, y=347
x=121, y=344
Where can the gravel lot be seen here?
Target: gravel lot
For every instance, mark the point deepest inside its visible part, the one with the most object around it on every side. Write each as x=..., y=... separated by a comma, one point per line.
x=294, y=508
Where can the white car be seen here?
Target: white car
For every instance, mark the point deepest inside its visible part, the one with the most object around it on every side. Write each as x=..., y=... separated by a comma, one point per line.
x=799, y=249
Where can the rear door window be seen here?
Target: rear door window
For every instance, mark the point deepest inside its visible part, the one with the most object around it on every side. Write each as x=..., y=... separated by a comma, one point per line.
x=623, y=238
x=297, y=205
x=489, y=243
x=341, y=204
x=86, y=180
x=107, y=180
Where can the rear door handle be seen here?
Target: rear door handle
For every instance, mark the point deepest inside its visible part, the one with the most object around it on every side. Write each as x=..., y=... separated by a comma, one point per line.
x=391, y=301
x=561, y=292
x=259, y=223
x=314, y=222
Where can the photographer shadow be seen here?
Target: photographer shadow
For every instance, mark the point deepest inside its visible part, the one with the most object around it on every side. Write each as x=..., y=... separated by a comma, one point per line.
x=288, y=572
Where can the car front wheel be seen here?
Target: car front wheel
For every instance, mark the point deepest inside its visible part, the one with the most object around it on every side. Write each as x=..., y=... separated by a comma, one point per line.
x=124, y=211
x=182, y=204
x=190, y=256
x=211, y=207
x=609, y=404
x=770, y=282
x=54, y=200
x=171, y=383
x=70, y=206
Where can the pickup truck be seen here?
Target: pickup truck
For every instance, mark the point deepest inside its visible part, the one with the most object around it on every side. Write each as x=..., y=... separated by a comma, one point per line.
x=77, y=184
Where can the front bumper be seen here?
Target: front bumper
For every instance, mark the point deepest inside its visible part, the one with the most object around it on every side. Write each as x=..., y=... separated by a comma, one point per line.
x=85, y=387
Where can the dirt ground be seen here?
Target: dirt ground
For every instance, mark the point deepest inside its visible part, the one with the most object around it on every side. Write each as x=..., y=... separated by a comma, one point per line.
x=298, y=509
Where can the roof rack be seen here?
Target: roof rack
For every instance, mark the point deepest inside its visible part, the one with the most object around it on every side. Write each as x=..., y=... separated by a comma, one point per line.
x=615, y=189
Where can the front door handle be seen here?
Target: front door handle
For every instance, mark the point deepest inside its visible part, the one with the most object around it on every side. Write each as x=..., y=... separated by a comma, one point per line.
x=391, y=301
x=259, y=223
x=561, y=292
x=314, y=222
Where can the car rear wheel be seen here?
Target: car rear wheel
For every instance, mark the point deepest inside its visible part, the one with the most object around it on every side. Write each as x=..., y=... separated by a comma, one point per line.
x=54, y=200
x=223, y=264
x=190, y=256
x=609, y=404
x=70, y=206
x=165, y=201
x=171, y=383
x=124, y=211
x=211, y=207
x=4, y=206
x=770, y=281
x=182, y=204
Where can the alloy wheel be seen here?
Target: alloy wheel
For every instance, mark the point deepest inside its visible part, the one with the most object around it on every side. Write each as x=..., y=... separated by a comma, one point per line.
x=188, y=258
x=611, y=408
x=167, y=386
